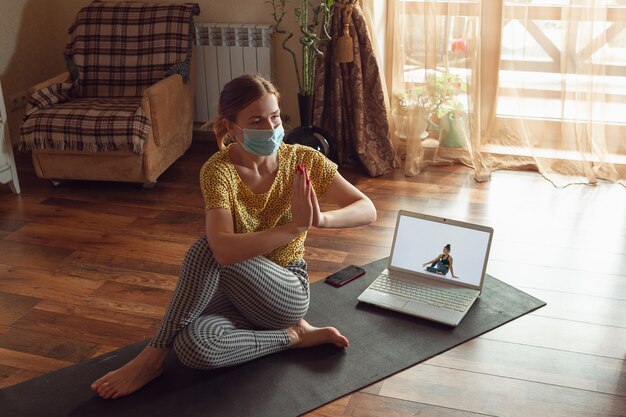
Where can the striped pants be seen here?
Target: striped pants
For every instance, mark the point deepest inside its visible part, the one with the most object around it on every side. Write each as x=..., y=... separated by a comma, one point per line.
x=226, y=315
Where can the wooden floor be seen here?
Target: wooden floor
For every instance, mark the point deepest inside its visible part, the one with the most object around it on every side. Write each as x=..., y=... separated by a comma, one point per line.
x=86, y=268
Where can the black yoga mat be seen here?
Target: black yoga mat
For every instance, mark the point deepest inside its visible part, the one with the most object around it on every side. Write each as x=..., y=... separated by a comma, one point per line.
x=288, y=383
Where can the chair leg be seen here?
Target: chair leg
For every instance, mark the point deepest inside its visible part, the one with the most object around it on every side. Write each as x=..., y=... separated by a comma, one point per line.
x=148, y=185
x=14, y=186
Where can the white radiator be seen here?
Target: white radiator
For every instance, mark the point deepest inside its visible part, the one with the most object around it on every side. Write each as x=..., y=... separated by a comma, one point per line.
x=225, y=51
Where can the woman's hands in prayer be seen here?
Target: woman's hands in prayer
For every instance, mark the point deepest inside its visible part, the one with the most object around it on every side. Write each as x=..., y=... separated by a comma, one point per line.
x=305, y=209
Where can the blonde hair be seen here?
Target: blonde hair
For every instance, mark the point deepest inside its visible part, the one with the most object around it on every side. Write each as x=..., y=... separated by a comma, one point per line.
x=236, y=95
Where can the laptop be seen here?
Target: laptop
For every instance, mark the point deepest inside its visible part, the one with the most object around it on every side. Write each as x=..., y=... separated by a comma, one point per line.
x=436, y=268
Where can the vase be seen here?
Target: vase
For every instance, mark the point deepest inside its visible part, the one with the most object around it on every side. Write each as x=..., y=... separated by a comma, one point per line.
x=410, y=126
x=455, y=131
x=307, y=134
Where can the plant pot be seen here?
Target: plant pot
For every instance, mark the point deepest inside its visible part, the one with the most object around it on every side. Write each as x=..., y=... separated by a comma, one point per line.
x=455, y=128
x=401, y=124
x=307, y=134
x=412, y=123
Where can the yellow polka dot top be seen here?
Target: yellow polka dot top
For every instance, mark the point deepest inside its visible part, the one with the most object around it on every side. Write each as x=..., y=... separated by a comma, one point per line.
x=223, y=188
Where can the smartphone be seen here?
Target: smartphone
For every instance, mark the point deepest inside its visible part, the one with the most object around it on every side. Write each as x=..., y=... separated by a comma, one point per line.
x=344, y=276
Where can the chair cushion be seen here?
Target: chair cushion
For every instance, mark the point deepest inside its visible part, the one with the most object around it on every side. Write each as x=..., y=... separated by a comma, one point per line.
x=120, y=48
x=87, y=124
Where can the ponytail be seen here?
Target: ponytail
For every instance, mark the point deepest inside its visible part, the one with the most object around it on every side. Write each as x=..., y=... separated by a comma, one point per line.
x=220, y=130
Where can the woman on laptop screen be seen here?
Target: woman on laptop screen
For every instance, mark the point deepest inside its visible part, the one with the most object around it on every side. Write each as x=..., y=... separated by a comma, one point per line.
x=442, y=263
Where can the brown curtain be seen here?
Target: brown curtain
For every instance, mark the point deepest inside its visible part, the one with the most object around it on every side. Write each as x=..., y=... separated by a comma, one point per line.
x=348, y=99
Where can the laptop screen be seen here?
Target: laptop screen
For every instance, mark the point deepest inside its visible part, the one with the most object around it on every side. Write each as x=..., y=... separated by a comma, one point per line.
x=439, y=248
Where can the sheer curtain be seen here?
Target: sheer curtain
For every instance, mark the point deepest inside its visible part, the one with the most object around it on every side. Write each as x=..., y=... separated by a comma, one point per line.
x=561, y=90
x=432, y=51
x=532, y=84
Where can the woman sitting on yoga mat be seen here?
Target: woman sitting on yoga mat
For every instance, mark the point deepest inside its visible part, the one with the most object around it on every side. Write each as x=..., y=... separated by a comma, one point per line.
x=441, y=263
x=243, y=288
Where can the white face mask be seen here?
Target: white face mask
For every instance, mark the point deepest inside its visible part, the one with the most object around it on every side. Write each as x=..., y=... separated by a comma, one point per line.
x=263, y=142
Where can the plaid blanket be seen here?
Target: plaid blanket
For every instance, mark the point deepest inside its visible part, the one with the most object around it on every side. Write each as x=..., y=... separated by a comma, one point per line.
x=120, y=49
x=116, y=50
x=87, y=124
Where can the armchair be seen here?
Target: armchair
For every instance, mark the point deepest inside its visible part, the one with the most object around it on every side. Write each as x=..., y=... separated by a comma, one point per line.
x=124, y=111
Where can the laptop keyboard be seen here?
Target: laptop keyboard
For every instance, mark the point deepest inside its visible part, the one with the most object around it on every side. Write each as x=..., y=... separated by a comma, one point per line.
x=428, y=295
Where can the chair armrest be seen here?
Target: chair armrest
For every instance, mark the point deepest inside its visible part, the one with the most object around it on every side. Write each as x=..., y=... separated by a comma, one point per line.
x=61, y=78
x=170, y=107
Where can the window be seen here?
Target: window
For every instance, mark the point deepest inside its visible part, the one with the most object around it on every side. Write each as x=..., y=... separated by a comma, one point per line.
x=544, y=53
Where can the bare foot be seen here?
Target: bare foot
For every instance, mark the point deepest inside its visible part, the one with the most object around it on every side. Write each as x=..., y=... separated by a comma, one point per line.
x=302, y=334
x=134, y=375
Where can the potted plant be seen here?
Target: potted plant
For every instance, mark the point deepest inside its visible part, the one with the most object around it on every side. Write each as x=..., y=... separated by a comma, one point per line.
x=440, y=97
x=452, y=113
x=314, y=23
x=413, y=104
x=437, y=101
